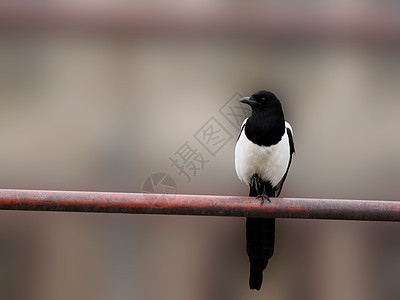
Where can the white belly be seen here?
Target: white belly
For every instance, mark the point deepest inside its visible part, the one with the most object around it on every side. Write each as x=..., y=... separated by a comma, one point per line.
x=270, y=163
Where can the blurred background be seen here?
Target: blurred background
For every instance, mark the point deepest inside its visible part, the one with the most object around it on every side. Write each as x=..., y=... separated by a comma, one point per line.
x=101, y=95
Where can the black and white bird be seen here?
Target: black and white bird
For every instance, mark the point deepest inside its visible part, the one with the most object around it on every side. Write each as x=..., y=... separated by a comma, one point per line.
x=263, y=155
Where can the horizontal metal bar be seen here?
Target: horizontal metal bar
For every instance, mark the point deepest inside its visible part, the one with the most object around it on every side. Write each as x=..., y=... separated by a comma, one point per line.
x=205, y=205
x=366, y=25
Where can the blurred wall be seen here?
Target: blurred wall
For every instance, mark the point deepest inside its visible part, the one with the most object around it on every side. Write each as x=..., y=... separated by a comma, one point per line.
x=103, y=110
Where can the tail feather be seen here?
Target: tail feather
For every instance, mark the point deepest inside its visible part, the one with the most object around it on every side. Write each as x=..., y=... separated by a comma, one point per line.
x=256, y=278
x=260, y=240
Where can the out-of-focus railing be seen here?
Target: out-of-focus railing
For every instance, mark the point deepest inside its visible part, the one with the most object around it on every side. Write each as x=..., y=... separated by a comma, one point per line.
x=366, y=25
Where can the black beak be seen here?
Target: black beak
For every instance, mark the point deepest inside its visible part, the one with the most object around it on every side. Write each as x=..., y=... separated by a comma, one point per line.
x=250, y=101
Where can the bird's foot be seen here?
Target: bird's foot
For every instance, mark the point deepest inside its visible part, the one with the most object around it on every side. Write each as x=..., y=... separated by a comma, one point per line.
x=264, y=196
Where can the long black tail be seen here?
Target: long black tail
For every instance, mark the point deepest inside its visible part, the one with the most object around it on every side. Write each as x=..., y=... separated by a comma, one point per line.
x=260, y=237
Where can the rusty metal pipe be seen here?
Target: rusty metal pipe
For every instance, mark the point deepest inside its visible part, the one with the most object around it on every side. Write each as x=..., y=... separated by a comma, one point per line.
x=205, y=205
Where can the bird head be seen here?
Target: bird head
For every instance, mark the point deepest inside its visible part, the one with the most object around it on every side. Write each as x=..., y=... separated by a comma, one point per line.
x=260, y=100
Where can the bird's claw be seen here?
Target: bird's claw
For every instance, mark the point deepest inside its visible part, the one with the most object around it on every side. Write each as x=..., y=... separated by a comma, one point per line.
x=264, y=196
x=255, y=186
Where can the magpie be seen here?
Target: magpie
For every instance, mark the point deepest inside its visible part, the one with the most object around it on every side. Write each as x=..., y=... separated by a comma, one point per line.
x=263, y=155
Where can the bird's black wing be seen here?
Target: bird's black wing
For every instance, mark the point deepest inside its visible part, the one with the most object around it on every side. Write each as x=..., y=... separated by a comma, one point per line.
x=241, y=130
x=279, y=186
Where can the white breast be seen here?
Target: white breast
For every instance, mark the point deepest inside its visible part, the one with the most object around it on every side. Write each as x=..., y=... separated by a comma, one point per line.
x=270, y=163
